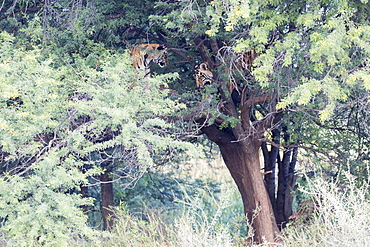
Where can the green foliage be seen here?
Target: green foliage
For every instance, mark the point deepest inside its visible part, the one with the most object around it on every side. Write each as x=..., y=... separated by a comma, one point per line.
x=67, y=102
x=53, y=115
x=39, y=210
x=199, y=218
x=314, y=55
x=158, y=190
x=321, y=45
x=184, y=18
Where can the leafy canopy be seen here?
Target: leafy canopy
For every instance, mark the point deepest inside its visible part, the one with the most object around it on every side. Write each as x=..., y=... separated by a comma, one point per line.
x=54, y=115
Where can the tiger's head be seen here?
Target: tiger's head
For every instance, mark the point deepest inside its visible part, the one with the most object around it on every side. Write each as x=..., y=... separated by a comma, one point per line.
x=159, y=55
x=144, y=54
x=203, y=75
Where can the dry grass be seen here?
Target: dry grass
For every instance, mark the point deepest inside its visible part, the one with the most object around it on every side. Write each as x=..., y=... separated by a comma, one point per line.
x=342, y=217
x=193, y=227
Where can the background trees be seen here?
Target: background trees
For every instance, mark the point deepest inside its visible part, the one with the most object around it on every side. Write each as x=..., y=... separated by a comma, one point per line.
x=74, y=113
x=69, y=118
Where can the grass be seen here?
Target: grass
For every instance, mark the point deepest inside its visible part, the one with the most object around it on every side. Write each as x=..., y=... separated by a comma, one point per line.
x=341, y=218
x=196, y=225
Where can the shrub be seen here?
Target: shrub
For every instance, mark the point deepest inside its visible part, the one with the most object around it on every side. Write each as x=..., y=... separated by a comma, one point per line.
x=342, y=216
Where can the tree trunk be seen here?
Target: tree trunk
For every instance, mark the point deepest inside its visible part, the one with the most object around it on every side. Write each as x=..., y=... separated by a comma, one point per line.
x=286, y=183
x=291, y=182
x=280, y=195
x=107, y=198
x=84, y=194
x=242, y=160
x=270, y=158
x=282, y=198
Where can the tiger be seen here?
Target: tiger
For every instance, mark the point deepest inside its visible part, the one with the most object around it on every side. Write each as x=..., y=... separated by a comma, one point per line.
x=246, y=59
x=203, y=75
x=243, y=66
x=144, y=54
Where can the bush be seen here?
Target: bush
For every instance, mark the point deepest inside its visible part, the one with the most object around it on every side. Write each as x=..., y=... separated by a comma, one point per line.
x=201, y=218
x=341, y=218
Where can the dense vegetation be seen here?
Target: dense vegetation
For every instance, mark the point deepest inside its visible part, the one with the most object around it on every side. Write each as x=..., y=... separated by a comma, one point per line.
x=87, y=142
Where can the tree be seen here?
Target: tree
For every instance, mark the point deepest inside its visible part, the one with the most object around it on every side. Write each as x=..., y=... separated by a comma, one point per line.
x=311, y=56
x=59, y=123
x=70, y=104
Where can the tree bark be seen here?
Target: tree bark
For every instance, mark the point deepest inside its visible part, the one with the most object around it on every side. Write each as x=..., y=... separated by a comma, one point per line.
x=286, y=184
x=291, y=182
x=280, y=195
x=203, y=45
x=270, y=158
x=107, y=198
x=242, y=160
x=84, y=194
x=282, y=198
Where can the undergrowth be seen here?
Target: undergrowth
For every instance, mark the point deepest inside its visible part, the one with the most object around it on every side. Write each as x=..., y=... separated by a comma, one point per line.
x=341, y=218
x=194, y=225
